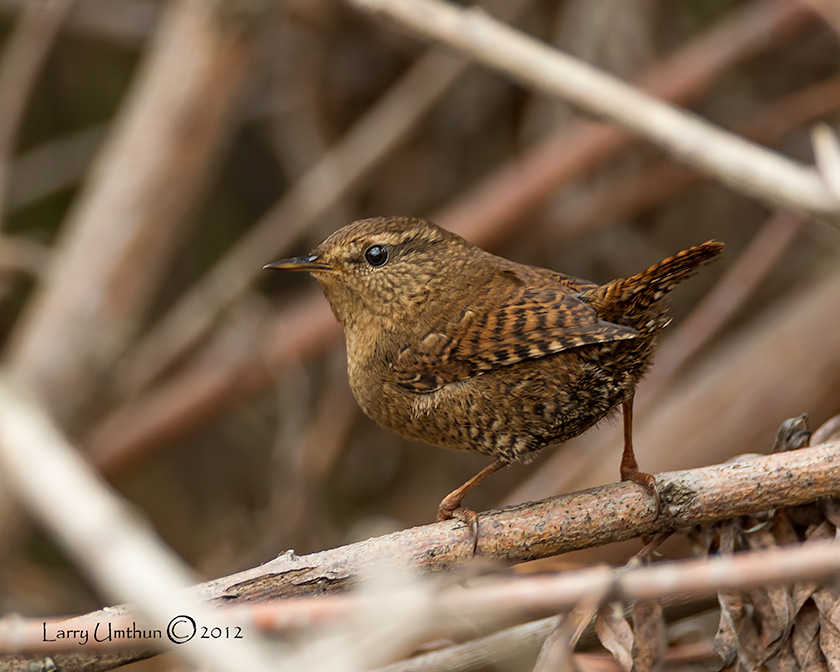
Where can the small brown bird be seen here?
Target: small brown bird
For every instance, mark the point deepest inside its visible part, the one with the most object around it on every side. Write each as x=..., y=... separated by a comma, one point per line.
x=456, y=347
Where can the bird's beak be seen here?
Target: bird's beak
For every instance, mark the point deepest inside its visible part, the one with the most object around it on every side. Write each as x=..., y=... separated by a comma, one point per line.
x=307, y=263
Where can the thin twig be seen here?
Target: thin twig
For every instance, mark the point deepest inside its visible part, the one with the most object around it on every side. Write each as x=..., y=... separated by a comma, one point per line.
x=520, y=642
x=584, y=519
x=509, y=646
x=496, y=207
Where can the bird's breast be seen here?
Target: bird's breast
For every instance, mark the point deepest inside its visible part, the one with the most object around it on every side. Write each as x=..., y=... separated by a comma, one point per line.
x=369, y=362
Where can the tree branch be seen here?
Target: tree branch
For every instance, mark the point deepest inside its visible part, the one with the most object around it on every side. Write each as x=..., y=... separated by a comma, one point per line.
x=601, y=515
x=593, y=517
x=494, y=598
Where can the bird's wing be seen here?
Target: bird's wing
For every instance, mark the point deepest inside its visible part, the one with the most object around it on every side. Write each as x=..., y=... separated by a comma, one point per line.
x=530, y=323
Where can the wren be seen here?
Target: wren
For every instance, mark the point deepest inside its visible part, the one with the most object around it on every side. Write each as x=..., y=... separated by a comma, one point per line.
x=457, y=347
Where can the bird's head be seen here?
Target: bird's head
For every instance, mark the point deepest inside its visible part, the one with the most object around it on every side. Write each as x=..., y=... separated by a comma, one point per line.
x=387, y=267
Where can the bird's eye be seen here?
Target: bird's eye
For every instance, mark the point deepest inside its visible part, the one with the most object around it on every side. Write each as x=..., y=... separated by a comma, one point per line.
x=376, y=255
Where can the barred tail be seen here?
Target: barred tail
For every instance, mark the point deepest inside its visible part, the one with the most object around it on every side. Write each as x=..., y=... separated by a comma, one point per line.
x=638, y=296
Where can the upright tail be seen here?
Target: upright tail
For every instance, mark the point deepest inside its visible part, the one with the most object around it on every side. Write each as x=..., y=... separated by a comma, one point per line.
x=635, y=300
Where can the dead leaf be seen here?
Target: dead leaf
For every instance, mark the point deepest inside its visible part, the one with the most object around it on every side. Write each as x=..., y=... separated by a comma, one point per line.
x=805, y=640
x=615, y=634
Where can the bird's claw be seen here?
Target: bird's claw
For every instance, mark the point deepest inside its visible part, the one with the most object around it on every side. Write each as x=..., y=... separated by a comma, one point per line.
x=463, y=514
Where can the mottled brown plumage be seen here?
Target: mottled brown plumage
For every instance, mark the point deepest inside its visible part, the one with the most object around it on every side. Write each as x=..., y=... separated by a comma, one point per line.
x=453, y=346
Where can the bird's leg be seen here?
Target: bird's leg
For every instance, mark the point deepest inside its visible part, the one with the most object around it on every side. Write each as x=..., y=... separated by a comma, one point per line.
x=450, y=506
x=629, y=467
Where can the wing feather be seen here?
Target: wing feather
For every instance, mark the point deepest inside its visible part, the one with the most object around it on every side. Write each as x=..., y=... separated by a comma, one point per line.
x=528, y=323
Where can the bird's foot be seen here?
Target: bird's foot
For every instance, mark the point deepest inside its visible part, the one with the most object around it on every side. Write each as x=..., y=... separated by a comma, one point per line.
x=451, y=509
x=648, y=482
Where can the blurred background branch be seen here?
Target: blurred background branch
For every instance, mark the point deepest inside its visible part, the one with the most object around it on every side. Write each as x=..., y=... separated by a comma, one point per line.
x=726, y=156
x=100, y=532
x=24, y=53
x=128, y=221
